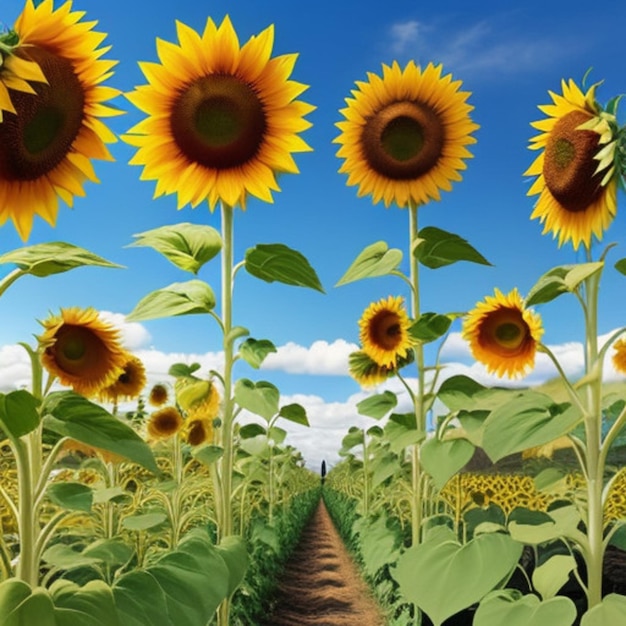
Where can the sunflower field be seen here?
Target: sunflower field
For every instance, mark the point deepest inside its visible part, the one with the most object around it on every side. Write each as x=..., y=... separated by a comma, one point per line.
x=130, y=502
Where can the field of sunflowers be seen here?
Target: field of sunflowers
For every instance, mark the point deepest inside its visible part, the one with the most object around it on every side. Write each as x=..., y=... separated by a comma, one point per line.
x=128, y=504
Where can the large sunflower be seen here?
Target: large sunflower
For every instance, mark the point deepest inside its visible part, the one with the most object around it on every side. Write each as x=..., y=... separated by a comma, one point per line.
x=404, y=136
x=384, y=332
x=82, y=350
x=575, y=170
x=222, y=119
x=51, y=132
x=503, y=334
x=129, y=383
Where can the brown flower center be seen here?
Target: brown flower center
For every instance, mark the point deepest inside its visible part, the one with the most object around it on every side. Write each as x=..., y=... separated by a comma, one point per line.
x=38, y=138
x=505, y=331
x=75, y=349
x=385, y=330
x=404, y=140
x=218, y=121
x=569, y=166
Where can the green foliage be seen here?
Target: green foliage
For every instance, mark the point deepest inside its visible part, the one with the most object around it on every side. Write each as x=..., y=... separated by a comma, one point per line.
x=437, y=248
x=560, y=280
x=379, y=405
x=260, y=398
x=277, y=262
x=19, y=414
x=610, y=612
x=375, y=260
x=254, y=351
x=443, y=459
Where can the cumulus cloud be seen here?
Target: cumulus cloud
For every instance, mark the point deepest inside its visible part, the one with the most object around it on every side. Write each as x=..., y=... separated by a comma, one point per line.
x=320, y=358
x=134, y=335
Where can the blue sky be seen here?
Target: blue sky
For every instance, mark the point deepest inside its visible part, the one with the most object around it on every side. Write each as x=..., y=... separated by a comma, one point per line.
x=507, y=57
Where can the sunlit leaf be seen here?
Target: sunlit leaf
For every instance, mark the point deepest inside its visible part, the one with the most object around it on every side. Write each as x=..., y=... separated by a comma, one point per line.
x=443, y=459
x=188, y=298
x=375, y=260
x=254, y=351
x=259, y=398
x=277, y=262
x=559, y=280
x=19, y=413
x=379, y=405
x=188, y=246
x=438, y=248
x=295, y=413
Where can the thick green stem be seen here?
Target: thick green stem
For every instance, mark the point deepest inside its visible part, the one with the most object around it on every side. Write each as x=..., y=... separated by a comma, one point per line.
x=366, y=478
x=595, y=460
x=27, y=569
x=420, y=418
x=225, y=516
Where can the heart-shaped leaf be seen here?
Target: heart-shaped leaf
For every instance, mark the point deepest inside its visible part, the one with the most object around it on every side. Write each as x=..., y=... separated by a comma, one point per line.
x=375, y=260
x=260, y=398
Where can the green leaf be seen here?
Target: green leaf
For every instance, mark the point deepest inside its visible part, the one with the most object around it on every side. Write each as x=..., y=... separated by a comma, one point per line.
x=620, y=266
x=254, y=351
x=207, y=455
x=438, y=248
x=377, y=406
x=71, y=415
x=259, y=398
x=531, y=419
x=182, y=370
x=375, y=260
x=64, y=557
x=463, y=393
x=276, y=262
x=443, y=459
x=383, y=467
x=400, y=435
x=610, y=612
x=12, y=593
x=430, y=326
x=295, y=413
x=277, y=434
x=19, y=414
x=140, y=600
x=378, y=545
x=512, y=608
x=143, y=521
x=353, y=438
x=188, y=246
x=559, y=280
x=561, y=522
x=55, y=257
x=251, y=430
x=113, y=552
x=471, y=571
x=551, y=575
x=188, y=298
x=90, y=605
x=72, y=496
x=233, y=550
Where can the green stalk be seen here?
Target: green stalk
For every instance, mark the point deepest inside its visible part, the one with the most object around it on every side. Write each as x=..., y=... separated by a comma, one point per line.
x=416, y=468
x=225, y=514
x=366, y=479
x=594, y=555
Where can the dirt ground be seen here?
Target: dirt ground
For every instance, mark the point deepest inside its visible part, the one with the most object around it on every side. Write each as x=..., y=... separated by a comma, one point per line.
x=321, y=585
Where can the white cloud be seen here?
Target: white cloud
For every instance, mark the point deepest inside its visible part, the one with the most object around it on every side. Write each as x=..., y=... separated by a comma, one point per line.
x=320, y=358
x=15, y=368
x=134, y=335
x=404, y=34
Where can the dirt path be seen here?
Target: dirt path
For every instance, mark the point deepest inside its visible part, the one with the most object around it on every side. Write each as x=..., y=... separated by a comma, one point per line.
x=321, y=585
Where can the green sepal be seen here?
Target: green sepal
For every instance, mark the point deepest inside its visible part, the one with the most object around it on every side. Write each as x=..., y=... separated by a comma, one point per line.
x=375, y=260
x=188, y=246
x=188, y=298
x=277, y=262
x=437, y=248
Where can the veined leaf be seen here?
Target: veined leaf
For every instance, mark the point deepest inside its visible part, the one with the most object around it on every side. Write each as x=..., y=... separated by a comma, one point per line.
x=559, y=280
x=375, y=260
x=295, y=413
x=277, y=262
x=437, y=248
x=259, y=398
x=377, y=406
x=443, y=459
x=188, y=246
x=254, y=351
x=72, y=496
x=55, y=257
x=189, y=298
x=19, y=414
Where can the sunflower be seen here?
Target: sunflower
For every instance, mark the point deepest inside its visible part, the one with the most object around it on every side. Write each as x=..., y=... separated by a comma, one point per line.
x=129, y=383
x=368, y=373
x=404, y=136
x=198, y=430
x=164, y=423
x=384, y=331
x=502, y=334
x=575, y=170
x=158, y=395
x=222, y=119
x=82, y=350
x=619, y=356
x=52, y=131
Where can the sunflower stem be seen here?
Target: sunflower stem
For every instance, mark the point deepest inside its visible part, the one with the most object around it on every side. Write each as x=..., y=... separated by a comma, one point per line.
x=225, y=517
x=416, y=469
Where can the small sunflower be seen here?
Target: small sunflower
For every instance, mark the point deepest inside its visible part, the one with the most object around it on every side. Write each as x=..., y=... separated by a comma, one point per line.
x=159, y=395
x=503, y=335
x=404, y=136
x=619, y=356
x=368, y=373
x=198, y=430
x=384, y=331
x=52, y=128
x=576, y=174
x=82, y=350
x=164, y=423
x=222, y=119
x=129, y=383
